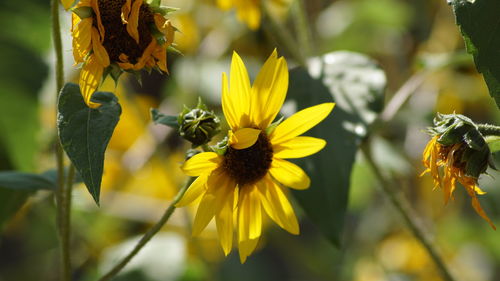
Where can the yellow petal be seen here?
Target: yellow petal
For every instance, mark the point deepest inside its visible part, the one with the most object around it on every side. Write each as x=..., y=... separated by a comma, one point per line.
x=126, y=11
x=269, y=91
x=133, y=20
x=249, y=214
x=227, y=106
x=90, y=77
x=220, y=188
x=243, y=138
x=161, y=55
x=298, y=147
x=100, y=52
x=224, y=223
x=475, y=203
x=249, y=12
x=277, y=206
x=246, y=247
x=201, y=163
x=289, y=174
x=300, y=122
x=239, y=91
x=195, y=190
x=82, y=39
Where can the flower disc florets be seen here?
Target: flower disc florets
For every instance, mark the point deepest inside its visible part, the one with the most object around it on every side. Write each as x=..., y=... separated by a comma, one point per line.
x=249, y=165
x=112, y=36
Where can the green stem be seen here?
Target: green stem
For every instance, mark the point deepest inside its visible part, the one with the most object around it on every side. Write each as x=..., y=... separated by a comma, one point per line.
x=65, y=268
x=281, y=35
x=66, y=221
x=489, y=130
x=403, y=207
x=302, y=26
x=151, y=232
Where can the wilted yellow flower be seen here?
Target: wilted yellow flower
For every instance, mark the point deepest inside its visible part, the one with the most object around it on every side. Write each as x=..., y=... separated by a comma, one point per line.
x=448, y=159
x=110, y=36
x=251, y=173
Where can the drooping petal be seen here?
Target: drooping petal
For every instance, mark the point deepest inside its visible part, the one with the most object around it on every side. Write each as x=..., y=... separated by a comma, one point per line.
x=126, y=11
x=277, y=206
x=249, y=213
x=289, y=174
x=224, y=222
x=90, y=77
x=201, y=163
x=195, y=190
x=243, y=138
x=133, y=20
x=470, y=187
x=298, y=147
x=300, y=122
x=82, y=39
x=161, y=55
x=100, y=52
x=100, y=26
x=239, y=91
x=269, y=91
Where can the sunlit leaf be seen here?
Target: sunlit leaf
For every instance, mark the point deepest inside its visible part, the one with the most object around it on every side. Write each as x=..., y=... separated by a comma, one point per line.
x=479, y=23
x=357, y=85
x=85, y=132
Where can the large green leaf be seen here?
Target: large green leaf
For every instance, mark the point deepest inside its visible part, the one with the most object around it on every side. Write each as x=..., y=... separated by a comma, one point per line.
x=479, y=22
x=85, y=132
x=357, y=85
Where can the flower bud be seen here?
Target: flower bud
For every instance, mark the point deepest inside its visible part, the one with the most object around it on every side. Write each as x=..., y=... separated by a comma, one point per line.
x=198, y=125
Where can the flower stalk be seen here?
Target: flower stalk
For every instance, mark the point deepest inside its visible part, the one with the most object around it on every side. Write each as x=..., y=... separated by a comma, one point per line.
x=489, y=130
x=408, y=215
x=148, y=235
x=62, y=194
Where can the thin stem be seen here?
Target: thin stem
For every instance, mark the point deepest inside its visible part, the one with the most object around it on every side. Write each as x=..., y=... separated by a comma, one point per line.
x=151, y=232
x=403, y=207
x=282, y=35
x=302, y=26
x=489, y=130
x=66, y=219
x=65, y=268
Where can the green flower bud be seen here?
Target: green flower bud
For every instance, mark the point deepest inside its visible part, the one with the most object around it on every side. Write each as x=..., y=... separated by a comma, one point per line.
x=474, y=155
x=198, y=125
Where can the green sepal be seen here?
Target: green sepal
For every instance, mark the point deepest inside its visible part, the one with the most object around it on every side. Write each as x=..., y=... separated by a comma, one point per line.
x=273, y=125
x=83, y=12
x=167, y=120
x=198, y=125
x=191, y=152
x=221, y=147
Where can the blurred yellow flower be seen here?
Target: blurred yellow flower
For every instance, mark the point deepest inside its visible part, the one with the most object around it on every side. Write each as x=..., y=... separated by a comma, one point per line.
x=248, y=11
x=447, y=157
x=250, y=174
x=115, y=35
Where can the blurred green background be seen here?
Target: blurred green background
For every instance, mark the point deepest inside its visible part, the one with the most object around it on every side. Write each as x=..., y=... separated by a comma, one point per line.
x=142, y=162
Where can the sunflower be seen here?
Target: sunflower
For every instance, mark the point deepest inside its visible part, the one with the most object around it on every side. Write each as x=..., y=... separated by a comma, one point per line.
x=248, y=179
x=112, y=36
x=449, y=159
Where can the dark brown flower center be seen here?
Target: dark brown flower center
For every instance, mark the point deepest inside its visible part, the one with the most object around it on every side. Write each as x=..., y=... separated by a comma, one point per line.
x=117, y=41
x=249, y=165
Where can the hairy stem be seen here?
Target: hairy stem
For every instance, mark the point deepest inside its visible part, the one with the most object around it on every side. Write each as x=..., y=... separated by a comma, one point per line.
x=403, y=207
x=282, y=35
x=61, y=198
x=148, y=235
x=489, y=130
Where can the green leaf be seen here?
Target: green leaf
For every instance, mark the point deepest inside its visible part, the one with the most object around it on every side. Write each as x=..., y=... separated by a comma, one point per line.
x=10, y=202
x=493, y=143
x=85, y=132
x=357, y=85
x=26, y=181
x=167, y=120
x=479, y=23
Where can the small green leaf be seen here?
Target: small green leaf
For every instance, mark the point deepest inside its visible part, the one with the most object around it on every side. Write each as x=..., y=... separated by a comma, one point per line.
x=85, y=132
x=167, y=120
x=479, y=23
x=493, y=143
x=357, y=86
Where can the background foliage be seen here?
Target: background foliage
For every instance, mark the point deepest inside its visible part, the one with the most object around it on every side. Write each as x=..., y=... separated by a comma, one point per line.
x=404, y=39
